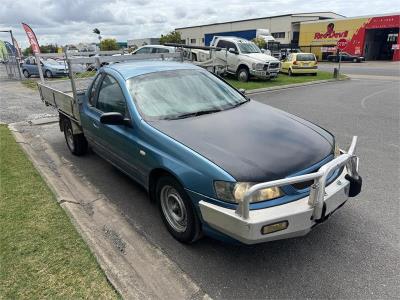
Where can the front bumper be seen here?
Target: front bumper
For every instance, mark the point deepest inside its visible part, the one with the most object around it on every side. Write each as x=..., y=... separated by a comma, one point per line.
x=265, y=74
x=301, y=215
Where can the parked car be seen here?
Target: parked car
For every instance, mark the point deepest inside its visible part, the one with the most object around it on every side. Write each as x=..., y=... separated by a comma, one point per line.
x=345, y=57
x=148, y=49
x=300, y=63
x=50, y=68
x=214, y=161
x=243, y=58
x=284, y=52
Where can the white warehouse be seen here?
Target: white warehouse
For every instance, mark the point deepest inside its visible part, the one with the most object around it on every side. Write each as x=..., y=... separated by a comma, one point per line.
x=284, y=28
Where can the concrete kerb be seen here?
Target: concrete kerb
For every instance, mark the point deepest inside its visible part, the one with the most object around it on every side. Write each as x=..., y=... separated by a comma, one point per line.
x=293, y=85
x=136, y=268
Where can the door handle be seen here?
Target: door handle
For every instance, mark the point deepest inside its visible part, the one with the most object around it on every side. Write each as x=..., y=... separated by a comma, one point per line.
x=95, y=125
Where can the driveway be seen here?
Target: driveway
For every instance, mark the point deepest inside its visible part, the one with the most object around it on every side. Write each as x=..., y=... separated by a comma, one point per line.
x=354, y=255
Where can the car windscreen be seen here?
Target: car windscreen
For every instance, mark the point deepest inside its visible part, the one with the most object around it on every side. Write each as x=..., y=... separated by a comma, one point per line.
x=248, y=48
x=52, y=62
x=305, y=57
x=181, y=93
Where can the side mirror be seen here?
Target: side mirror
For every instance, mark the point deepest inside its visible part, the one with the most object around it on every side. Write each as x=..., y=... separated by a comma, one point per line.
x=114, y=118
x=231, y=50
x=242, y=91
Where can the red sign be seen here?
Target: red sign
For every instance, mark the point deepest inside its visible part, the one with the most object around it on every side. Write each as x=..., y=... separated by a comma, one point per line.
x=32, y=38
x=342, y=44
x=330, y=33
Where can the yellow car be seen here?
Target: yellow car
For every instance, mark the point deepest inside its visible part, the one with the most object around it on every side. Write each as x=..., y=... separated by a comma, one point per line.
x=300, y=63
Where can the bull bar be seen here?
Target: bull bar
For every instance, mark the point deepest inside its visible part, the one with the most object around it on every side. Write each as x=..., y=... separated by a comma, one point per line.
x=317, y=189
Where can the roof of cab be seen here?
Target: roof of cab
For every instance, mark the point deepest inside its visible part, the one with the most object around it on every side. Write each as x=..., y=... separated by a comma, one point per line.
x=137, y=68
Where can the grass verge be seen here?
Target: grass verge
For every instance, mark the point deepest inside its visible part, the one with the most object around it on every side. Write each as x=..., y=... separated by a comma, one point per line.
x=282, y=79
x=41, y=253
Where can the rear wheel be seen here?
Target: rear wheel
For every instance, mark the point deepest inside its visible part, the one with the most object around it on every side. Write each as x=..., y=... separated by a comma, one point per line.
x=177, y=211
x=243, y=74
x=355, y=60
x=76, y=143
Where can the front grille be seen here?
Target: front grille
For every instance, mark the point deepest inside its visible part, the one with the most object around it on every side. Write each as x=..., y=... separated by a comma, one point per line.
x=274, y=65
x=265, y=67
x=307, y=184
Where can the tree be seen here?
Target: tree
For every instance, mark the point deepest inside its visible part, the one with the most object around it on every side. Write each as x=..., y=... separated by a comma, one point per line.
x=97, y=31
x=27, y=51
x=172, y=37
x=260, y=42
x=50, y=48
x=108, y=44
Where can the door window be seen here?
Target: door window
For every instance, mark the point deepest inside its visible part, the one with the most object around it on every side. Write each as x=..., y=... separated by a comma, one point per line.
x=111, y=98
x=230, y=45
x=221, y=44
x=144, y=50
x=92, y=96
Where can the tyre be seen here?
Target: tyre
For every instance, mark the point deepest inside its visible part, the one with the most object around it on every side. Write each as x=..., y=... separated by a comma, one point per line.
x=48, y=74
x=355, y=60
x=177, y=211
x=290, y=72
x=243, y=74
x=76, y=143
x=26, y=73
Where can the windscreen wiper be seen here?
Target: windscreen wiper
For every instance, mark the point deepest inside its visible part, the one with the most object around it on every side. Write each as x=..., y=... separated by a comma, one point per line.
x=197, y=113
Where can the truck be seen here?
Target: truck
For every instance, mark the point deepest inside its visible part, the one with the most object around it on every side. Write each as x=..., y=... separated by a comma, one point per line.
x=168, y=125
x=243, y=58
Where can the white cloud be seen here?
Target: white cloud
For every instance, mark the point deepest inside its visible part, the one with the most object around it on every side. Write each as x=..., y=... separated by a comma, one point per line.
x=72, y=21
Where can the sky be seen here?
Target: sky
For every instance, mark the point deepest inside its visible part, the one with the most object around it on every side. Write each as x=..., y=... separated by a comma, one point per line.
x=72, y=21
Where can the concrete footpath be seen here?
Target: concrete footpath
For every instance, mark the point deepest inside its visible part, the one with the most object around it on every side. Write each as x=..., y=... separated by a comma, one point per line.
x=135, y=267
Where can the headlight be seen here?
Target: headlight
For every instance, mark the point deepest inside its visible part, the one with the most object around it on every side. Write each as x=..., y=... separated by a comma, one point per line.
x=234, y=192
x=258, y=67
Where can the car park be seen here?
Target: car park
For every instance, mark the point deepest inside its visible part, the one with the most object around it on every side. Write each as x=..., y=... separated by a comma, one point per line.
x=300, y=63
x=50, y=68
x=169, y=125
x=344, y=56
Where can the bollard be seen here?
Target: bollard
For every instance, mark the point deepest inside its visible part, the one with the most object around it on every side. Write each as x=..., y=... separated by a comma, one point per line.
x=335, y=73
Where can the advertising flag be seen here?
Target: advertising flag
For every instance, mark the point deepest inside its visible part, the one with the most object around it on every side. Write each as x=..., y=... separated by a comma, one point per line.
x=17, y=47
x=32, y=38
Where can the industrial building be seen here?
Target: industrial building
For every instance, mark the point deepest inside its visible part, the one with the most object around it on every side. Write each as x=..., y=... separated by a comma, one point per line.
x=284, y=28
x=373, y=37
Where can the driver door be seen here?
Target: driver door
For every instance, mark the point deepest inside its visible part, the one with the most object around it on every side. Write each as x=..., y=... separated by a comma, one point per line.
x=232, y=57
x=115, y=143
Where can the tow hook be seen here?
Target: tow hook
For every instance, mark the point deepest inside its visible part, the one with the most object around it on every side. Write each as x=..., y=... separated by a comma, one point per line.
x=355, y=185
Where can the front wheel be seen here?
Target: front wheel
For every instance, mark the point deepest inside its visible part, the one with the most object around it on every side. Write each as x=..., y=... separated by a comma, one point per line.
x=26, y=73
x=76, y=143
x=177, y=211
x=48, y=74
x=290, y=72
x=243, y=74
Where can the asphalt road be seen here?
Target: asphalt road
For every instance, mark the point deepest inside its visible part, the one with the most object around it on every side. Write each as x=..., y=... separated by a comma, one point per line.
x=375, y=68
x=355, y=254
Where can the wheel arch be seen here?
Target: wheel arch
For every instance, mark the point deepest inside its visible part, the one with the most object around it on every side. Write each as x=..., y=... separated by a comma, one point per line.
x=243, y=65
x=153, y=177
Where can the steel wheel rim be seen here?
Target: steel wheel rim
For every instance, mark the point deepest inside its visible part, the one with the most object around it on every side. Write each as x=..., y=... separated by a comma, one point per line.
x=70, y=138
x=173, y=208
x=242, y=76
